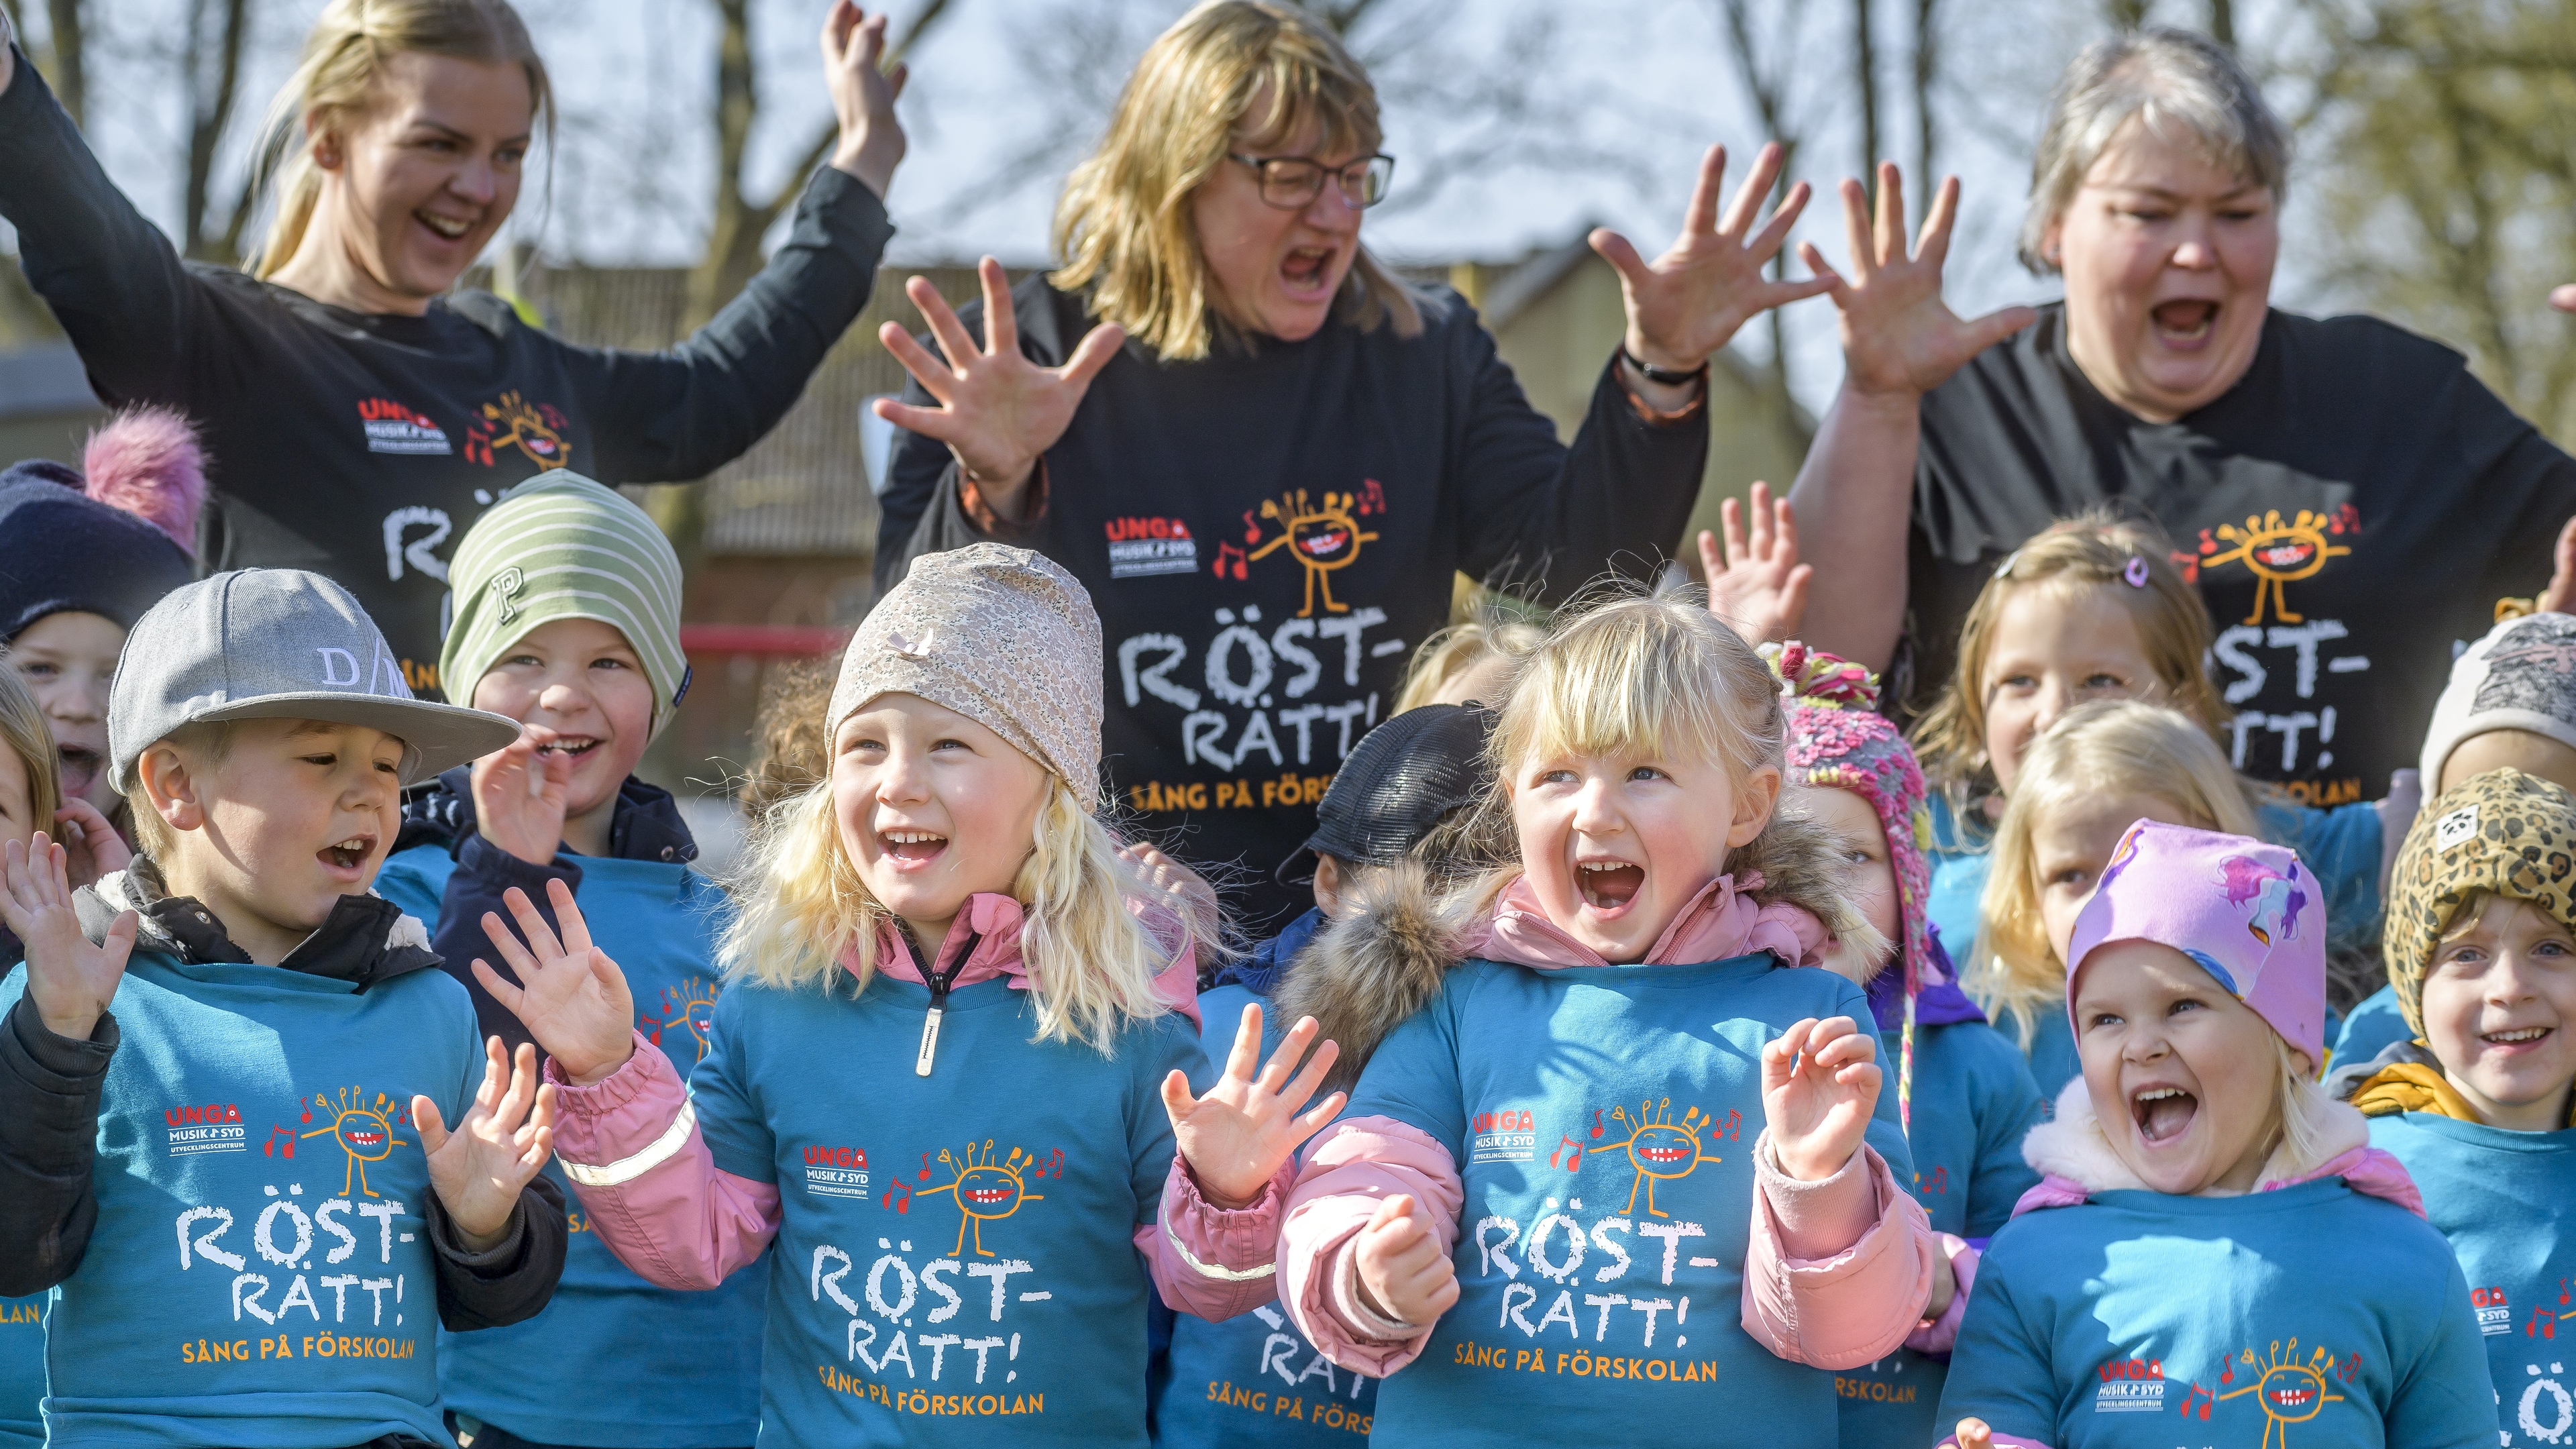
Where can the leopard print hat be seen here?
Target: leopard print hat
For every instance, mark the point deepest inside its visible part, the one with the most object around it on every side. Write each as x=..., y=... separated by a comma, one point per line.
x=2503, y=832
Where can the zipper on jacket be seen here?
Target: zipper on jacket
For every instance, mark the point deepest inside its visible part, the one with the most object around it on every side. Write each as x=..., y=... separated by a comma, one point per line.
x=938, y=982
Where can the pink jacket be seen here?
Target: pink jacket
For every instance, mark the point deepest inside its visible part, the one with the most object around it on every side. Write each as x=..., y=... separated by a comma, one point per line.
x=1838, y=1271
x=631, y=1146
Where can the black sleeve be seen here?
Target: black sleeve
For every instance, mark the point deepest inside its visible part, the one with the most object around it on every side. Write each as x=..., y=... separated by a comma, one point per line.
x=113, y=280
x=945, y=526
x=684, y=412
x=919, y=471
x=1542, y=519
x=49, y=1098
x=483, y=871
x=513, y=1280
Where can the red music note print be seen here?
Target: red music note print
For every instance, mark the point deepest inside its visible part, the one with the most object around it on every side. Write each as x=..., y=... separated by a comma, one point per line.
x=1573, y=1163
x=1230, y=561
x=273, y=1148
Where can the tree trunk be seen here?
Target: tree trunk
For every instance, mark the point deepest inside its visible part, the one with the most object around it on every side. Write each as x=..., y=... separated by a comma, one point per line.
x=1927, y=71
x=2222, y=22
x=1865, y=77
x=208, y=119
x=66, y=70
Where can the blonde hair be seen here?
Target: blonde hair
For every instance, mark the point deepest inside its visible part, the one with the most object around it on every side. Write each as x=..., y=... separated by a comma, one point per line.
x=1632, y=673
x=1091, y=961
x=1123, y=226
x=791, y=751
x=344, y=55
x=2104, y=749
x=1454, y=652
x=24, y=733
x=2092, y=551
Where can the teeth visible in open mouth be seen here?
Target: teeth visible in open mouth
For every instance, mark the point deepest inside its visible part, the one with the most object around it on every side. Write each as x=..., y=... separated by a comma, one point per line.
x=446, y=226
x=2161, y=1093
x=914, y=837
x=579, y=746
x=347, y=853
x=1601, y=865
x=2186, y=320
x=2518, y=1034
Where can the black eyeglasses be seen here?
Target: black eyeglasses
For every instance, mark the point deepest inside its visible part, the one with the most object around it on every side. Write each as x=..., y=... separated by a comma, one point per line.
x=1292, y=183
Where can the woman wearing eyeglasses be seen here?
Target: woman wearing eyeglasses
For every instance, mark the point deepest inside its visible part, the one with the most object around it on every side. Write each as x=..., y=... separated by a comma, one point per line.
x=1263, y=453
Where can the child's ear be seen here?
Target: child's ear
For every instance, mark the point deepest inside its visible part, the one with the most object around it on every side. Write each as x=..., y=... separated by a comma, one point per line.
x=166, y=781
x=1755, y=799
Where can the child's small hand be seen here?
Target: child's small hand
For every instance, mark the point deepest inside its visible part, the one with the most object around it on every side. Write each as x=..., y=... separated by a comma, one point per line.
x=1235, y=1137
x=1973, y=1434
x=506, y=1136
x=1757, y=587
x=96, y=849
x=1403, y=1274
x=1819, y=1086
x=520, y=796
x=572, y=997
x=69, y=980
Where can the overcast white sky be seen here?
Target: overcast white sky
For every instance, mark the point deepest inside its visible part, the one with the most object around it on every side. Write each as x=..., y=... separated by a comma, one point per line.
x=1648, y=80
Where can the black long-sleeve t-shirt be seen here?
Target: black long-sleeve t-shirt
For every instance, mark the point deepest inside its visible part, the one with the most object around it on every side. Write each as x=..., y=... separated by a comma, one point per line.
x=2351, y=510
x=1268, y=533
x=363, y=446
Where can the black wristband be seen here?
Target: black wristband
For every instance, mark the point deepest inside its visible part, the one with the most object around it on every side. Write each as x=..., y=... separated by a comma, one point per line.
x=1664, y=375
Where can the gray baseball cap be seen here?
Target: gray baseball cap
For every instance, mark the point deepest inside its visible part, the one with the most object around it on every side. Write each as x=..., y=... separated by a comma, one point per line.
x=278, y=644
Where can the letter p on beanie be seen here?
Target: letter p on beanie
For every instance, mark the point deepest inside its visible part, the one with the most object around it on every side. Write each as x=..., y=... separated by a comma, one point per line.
x=2248, y=912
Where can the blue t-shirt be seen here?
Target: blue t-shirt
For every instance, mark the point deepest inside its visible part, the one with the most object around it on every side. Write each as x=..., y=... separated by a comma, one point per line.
x=260, y=1274
x=1253, y=1379
x=2341, y=845
x=956, y=1258
x=2311, y=1316
x=1974, y=1101
x=607, y=1330
x=1603, y=1120
x=2374, y=1026
x=1960, y=865
x=22, y=1372
x=2504, y=1199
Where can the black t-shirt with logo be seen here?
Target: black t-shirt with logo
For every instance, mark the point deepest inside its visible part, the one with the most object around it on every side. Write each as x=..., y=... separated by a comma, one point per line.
x=2351, y=511
x=1269, y=533
x=362, y=446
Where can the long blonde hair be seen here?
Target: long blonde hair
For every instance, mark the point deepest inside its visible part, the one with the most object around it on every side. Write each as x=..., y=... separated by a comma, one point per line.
x=24, y=733
x=1626, y=672
x=1123, y=227
x=344, y=55
x=2092, y=551
x=1091, y=961
x=2104, y=749
x=1453, y=652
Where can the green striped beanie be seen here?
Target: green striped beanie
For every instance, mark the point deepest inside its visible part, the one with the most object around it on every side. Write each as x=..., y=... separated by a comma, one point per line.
x=560, y=546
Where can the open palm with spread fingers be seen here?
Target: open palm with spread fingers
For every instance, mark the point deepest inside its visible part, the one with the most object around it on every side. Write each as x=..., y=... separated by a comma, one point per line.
x=1819, y=1086
x=1899, y=337
x=1236, y=1136
x=998, y=411
x=1756, y=586
x=573, y=999
x=69, y=979
x=1690, y=301
x=478, y=1169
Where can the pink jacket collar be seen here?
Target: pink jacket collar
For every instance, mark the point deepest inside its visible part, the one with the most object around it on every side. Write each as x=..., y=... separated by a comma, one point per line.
x=997, y=919
x=1720, y=922
x=2076, y=1161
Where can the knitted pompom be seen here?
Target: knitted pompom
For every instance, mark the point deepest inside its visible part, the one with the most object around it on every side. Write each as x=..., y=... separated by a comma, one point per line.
x=1812, y=677
x=147, y=461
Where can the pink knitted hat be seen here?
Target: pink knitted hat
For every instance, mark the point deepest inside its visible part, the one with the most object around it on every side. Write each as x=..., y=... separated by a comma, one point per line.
x=2248, y=912
x=1838, y=740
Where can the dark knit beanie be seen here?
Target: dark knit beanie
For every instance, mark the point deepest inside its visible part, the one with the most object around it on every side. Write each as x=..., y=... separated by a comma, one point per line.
x=62, y=549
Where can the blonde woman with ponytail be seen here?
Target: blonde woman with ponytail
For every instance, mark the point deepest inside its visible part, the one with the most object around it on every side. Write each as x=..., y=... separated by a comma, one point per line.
x=1233, y=422
x=932, y=1080
x=360, y=407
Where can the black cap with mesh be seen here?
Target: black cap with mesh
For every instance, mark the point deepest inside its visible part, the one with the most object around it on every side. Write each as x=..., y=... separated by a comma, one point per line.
x=1397, y=784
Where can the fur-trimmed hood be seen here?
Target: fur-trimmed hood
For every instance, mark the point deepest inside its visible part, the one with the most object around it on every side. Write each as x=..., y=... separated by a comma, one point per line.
x=1385, y=959
x=2075, y=1159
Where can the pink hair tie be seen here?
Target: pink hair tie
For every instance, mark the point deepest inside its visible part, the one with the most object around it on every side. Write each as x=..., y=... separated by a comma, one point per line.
x=2136, y=572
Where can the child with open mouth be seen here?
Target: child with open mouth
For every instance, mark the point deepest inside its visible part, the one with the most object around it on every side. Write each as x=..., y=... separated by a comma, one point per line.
x=2481, y=948
x=1625, y=1148
x=2213, y=1237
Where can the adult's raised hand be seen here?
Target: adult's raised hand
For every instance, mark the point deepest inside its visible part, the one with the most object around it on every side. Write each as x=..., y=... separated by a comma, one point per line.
x=999, y=412
x=1690, y=301
x=871, y=142
x=1900, y=339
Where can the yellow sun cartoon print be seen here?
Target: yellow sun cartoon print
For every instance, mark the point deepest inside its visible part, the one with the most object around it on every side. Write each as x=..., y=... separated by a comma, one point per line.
x=2289, y=1390
x=362, y=1129
x=2278, y=554
x=535, y=429
x=1321, y=537
x=1659, y=1148
x=684, y=1024
x=987, y=1189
